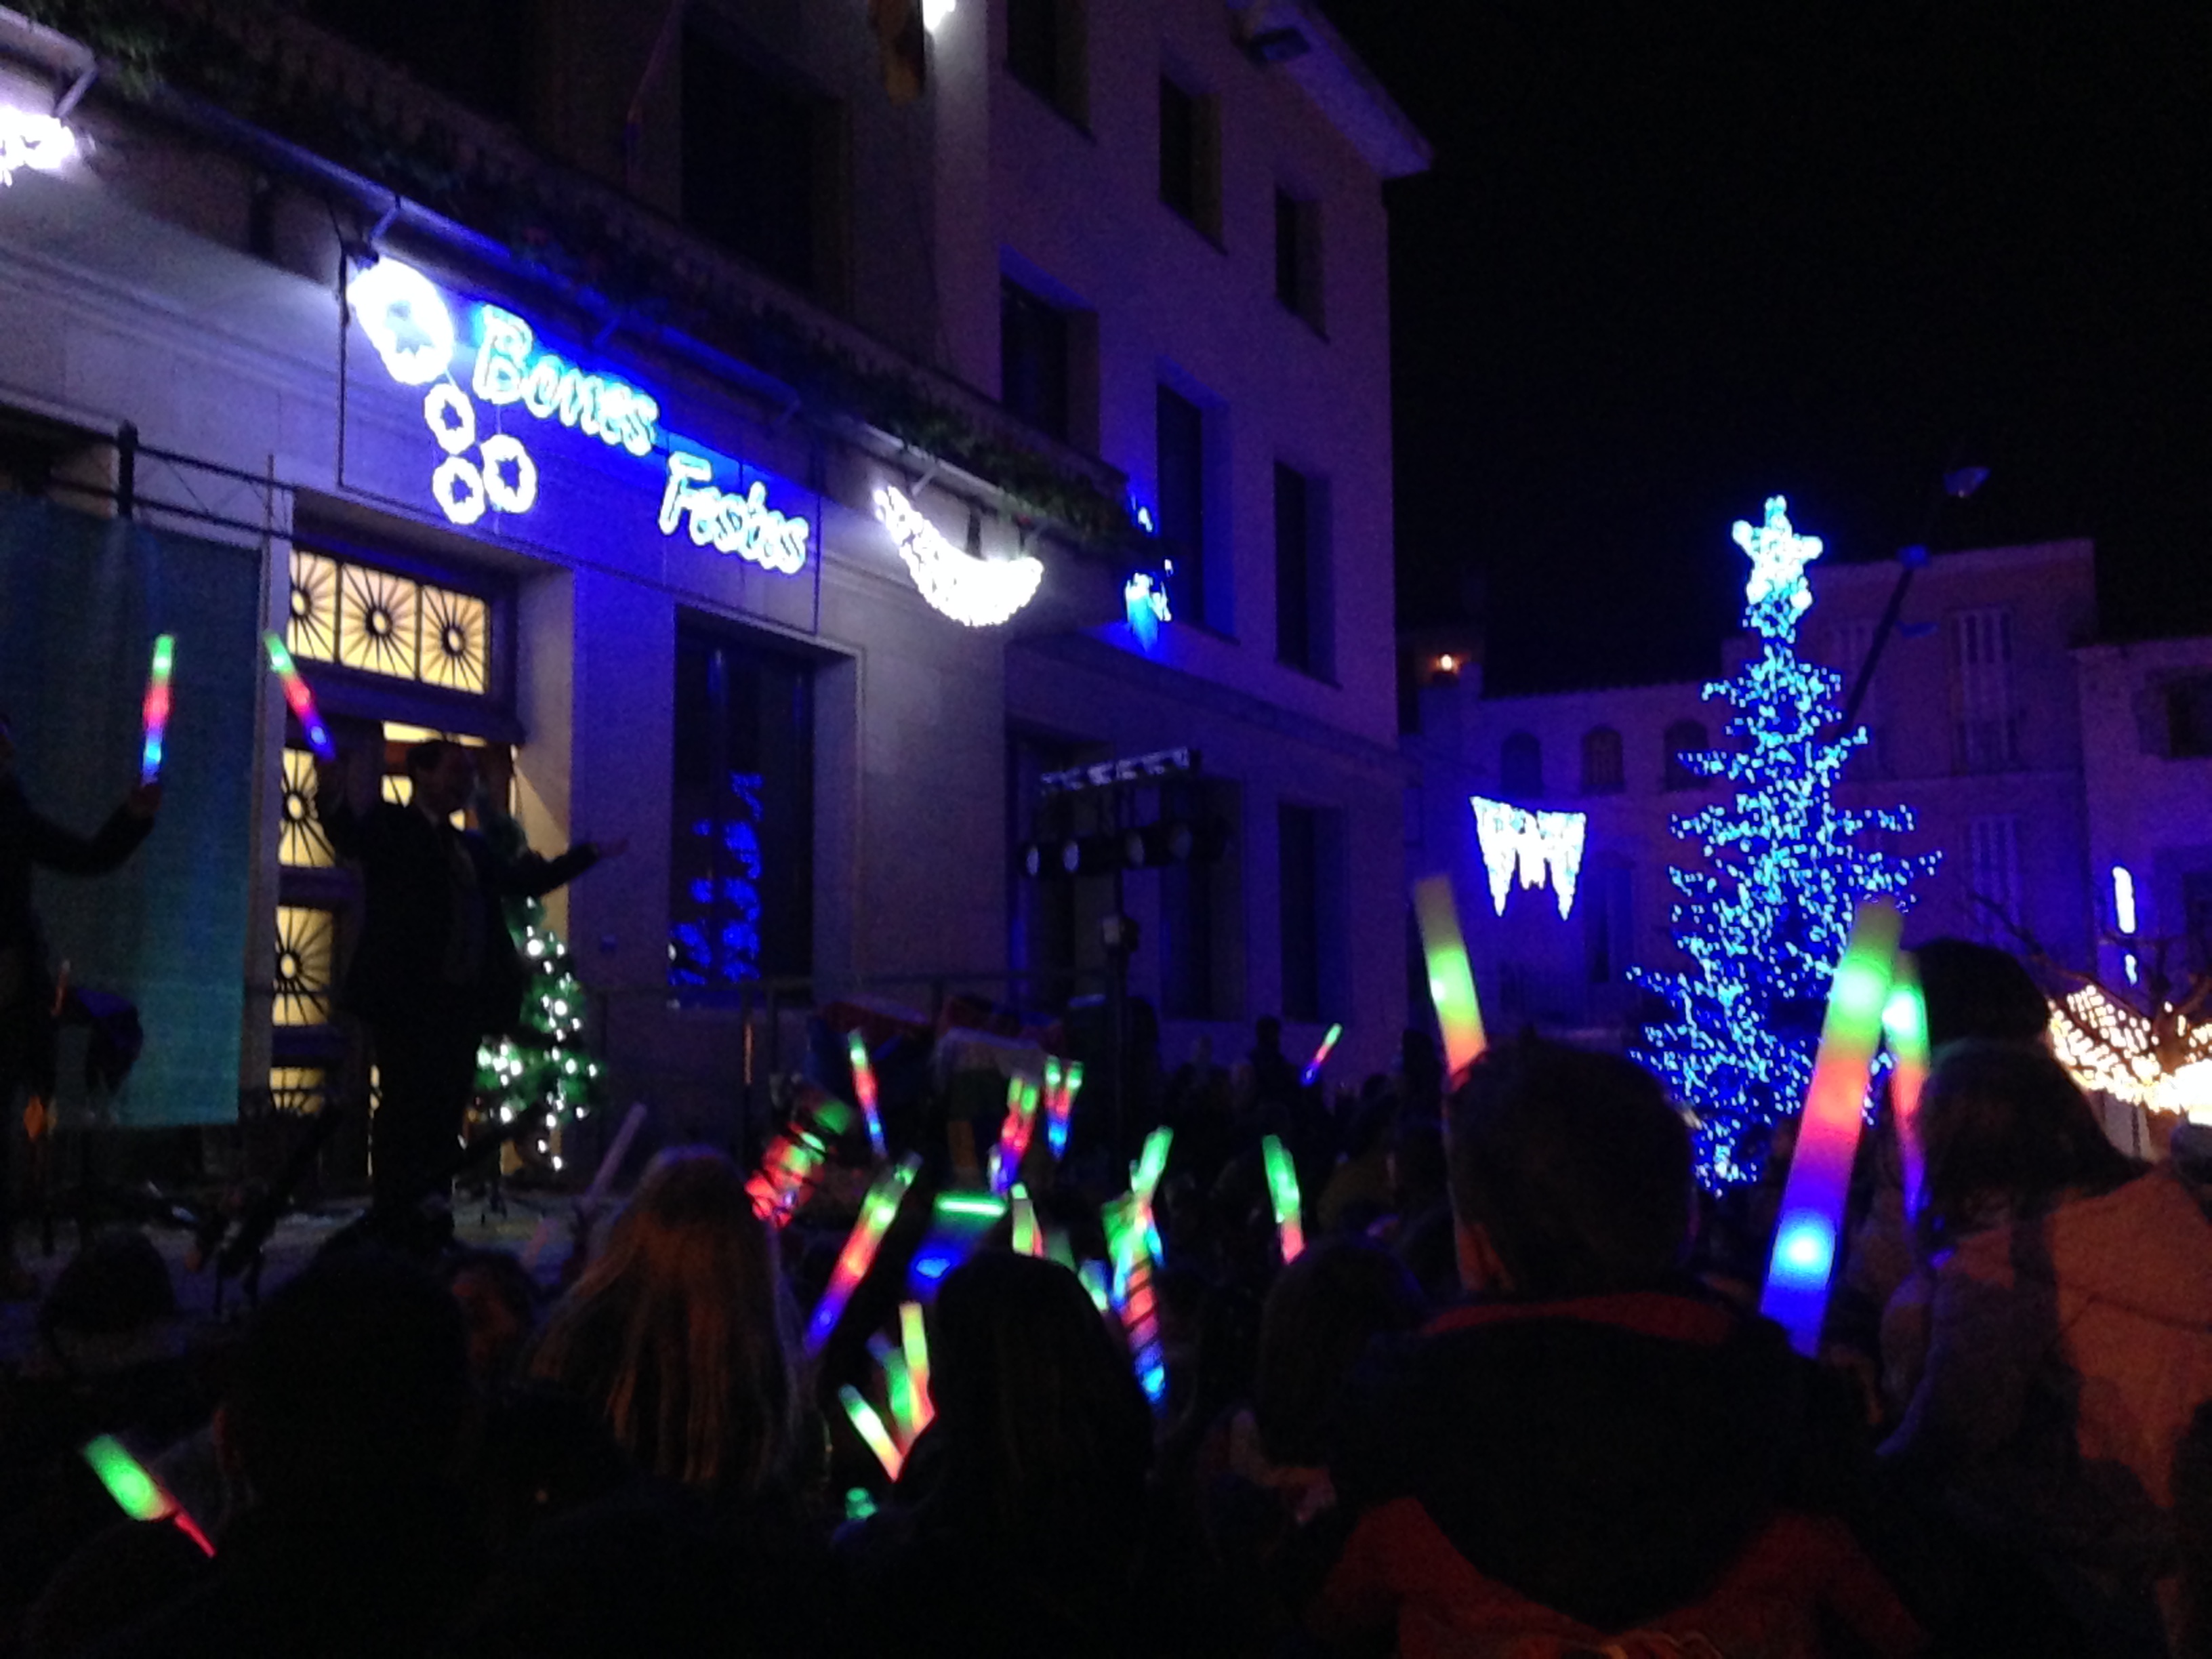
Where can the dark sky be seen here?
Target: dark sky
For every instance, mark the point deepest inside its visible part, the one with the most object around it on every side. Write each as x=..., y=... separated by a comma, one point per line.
x=1673, y=257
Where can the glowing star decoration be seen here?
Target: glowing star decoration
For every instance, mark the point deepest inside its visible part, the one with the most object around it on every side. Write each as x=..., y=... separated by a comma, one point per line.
x=136, y=1493
x=1145, y=600
x=1905, y=1027
x=1778, y=558
x=41, y=142
x=975, y=592
x=1773, y=874
x=302, y=700
x=1283, y=1189
x=405, y=319
x=154, y=718
x=2161, y=1061
x=1536, y=844
x=877, y=1212
x=1451, y=980
x=1320, y=1056
x=1813, y=1199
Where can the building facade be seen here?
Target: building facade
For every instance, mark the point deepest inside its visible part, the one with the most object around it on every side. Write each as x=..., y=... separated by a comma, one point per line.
x=762, y=430
x=1985, y=716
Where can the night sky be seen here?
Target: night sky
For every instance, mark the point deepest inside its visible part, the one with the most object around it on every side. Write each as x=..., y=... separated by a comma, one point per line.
x=1674, y=258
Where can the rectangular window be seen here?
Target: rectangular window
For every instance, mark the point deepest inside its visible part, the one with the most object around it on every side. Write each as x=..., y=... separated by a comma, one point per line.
x=1044, y=52
x=1993, y=871
x=379, y=622
x=759, y=162
x=1605, y=897
x=2189, y=718
x=1310, y=864
x=1181, y=439
x=1304, y=611
x=741, y=864
x=1201, y=906
x=1033, y=358
x=1986, y=726
x=1297, y=256
x=1190, y=168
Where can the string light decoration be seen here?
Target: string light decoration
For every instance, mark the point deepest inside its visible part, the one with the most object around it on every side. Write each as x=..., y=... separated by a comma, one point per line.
x=2161, y=1061
x=973, y=591
x=1764, y=912
x=545, y=1065
x=1536, y=844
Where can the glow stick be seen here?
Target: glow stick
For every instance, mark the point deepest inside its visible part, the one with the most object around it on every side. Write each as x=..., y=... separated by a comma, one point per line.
x=787, y=1165
x=1321, y=1057
x=1805, y=1240
x=1092, y=1274
x=1133, y=1297
x=1143, y=1181
x=864, y=1085
x=872, y=1430
x=1055, y=1112
x=858, y=1254
x=973, y=1208
x=1283, y=1187
x=154, y=715
x=1028, y=1240
x=1014, y=1133
x=898, y=1389
x=914, y=1337
x=1063, y=1107
x=1451, y=981
x=1905, y=1022
x=135, y=1491
x=301, y=699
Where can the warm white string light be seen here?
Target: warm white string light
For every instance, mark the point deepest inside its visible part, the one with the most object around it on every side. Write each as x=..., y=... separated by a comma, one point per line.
x=2163, y=1064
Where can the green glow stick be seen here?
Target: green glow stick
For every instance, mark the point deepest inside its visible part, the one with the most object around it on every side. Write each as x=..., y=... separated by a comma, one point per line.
x=872, y=1430
x=136, y=1492
x=876, y=1211
x=914, y=1336
x=1028, y=1240
x=1451, y=981
x=1282, y=1188
x=1905, y=1024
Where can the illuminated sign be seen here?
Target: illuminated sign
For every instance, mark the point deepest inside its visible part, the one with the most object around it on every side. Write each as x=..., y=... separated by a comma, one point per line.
x=975, y=592
x=1533, y=843
x=406, y=318
x=32, y=141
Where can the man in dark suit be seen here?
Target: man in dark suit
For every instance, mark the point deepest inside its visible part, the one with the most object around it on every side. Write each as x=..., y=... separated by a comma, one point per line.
x=436, y=970
x=27, y=992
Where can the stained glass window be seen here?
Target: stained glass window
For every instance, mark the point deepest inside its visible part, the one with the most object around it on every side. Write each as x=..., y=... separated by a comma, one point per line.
x=302, y=844
x=297, y=1091
x=305, y=941
x=382, y=622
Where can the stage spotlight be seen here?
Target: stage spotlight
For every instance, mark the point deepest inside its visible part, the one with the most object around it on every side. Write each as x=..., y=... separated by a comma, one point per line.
x=1156, y=844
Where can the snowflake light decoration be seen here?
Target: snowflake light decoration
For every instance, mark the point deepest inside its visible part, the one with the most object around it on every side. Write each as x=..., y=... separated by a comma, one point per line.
x=1536, y=844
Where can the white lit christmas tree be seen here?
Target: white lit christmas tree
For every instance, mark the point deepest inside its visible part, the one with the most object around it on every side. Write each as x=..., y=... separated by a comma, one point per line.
x=1764, y=914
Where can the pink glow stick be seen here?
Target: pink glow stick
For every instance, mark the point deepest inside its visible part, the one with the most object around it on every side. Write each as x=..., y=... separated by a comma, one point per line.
x=864, y=1085
x=876, y=1211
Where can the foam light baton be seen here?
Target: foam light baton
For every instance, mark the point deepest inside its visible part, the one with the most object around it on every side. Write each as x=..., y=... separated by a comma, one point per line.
x=914, y=1337
x=1321, y=1057
x=1451, y=981
x=1145, y=1179
x=1063, y=1109
x=864, y=1088
x=1282, y=1188
x=870, y=1428
x=137, y=1492
x=1131, y=1296
x=154, y=716
x=898, y=1389
x=1014, y=1133
x=858, y=1254
x=301, y=699
x=1029, y=1239
x=1905, y=1024
x=1805, y=1239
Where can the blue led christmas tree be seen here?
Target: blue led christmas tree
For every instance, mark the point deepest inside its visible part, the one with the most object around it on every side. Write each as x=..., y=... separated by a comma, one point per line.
x=1764, y=913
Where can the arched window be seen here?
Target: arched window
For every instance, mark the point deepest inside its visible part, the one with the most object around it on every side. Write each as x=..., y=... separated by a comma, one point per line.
x=1602, y=768
x=1684, y=738
x=1521, y=767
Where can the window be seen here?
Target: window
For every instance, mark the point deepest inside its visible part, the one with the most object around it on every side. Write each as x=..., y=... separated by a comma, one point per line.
x=2189, y=718
x=378, y=621
x=1310, y=885
x=1181, y=440
x=1297, y=256
x=762, y=164
x=477, y=54
x=306, y=948
x=1190, y=149
x=1605, y=897
x=1602, y=773
x=741, y=864
x=1521, y=767
x=1033, y=358
x=1305, y=614
x=1683, y=737
x=1044, y=52
x=1984, y=728
x=1993, y=871
x=1201, y=907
